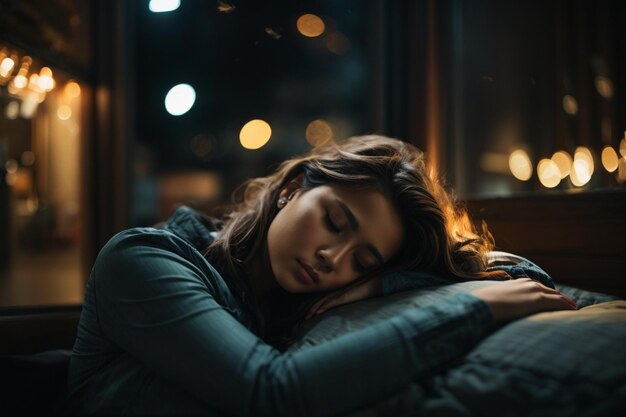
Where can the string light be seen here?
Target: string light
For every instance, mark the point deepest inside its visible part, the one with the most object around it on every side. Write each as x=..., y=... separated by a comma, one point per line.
x=549, y=174
x=520, y=165
x=28, y=86
x=610, y=160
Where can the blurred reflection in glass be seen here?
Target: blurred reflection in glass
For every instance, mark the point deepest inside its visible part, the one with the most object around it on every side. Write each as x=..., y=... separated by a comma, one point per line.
x=563, y=161
x=548, y=172
x=609, y=159
x=520, y=165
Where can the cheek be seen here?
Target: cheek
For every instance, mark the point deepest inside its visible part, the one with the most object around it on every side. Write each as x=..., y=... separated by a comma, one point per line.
x=300, y=230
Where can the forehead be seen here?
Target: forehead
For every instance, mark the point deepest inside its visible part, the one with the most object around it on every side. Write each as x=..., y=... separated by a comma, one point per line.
x=380, y=223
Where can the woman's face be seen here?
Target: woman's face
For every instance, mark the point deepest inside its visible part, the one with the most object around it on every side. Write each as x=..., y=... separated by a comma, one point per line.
x=328, y=236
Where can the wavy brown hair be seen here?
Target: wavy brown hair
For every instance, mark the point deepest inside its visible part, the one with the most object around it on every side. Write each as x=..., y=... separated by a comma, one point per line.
x=439, y=235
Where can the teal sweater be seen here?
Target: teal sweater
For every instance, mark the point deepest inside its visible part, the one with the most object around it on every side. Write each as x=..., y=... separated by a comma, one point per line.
x=161, y=334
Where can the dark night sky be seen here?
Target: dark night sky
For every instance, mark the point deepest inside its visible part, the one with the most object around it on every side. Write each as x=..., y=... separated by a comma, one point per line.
x=240, y=72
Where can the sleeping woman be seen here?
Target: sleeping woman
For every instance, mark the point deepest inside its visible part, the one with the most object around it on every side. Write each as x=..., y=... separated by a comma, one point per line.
x=193, y=317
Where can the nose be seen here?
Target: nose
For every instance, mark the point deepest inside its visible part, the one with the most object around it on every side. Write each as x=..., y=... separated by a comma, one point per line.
x=331, y=258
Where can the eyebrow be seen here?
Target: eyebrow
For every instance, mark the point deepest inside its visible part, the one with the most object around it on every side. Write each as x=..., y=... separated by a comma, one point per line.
x=355, y=226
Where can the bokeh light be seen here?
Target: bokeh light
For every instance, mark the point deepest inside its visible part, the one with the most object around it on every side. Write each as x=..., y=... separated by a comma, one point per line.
x=255, y=134
x=6, y=66
x=180, y=99
x=583, y=153
x=64, y=112
x=548, y=172
x=20, y=81
x=570, y=104
x=11, y=166
x=580, y=174
x=319, y=132
x=520, y=165
x=582, y=168
x=563, y=161
x=610, y=160
x=45, y=81
x=310, y=25
x=621, y=171
x=72, y=89
x=162, y=6
x=604, y=86
x=12, y=110
x=622, y=146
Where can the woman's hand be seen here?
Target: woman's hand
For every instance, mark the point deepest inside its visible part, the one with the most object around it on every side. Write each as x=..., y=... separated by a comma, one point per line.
x=510, y=300
x=355, y=292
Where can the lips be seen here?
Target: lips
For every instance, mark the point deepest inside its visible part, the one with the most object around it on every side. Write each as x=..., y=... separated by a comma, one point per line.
x=306, y=274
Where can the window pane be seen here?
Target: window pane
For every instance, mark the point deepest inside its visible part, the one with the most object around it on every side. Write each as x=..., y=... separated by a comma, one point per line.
x=538, y=90
x=40, y=213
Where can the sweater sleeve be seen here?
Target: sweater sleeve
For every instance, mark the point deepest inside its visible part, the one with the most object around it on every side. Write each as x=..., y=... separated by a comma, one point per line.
x=514, y=265
x=155, y=304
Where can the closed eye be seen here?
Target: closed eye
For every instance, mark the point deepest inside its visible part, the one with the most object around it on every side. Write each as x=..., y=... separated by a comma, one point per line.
x=330, y=224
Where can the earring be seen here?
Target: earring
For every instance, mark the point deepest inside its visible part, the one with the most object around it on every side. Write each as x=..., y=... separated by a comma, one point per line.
x=281, y=203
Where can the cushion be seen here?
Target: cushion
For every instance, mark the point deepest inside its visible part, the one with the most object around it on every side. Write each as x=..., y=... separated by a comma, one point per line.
x=566, y=363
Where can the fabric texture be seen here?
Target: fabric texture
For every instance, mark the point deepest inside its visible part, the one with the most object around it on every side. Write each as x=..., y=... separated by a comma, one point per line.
x=566, y=363
x=515, y=266
x=161, y=334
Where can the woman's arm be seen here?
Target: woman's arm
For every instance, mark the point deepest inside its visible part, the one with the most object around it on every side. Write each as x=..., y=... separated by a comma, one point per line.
x=513, y=265
x=157, y=304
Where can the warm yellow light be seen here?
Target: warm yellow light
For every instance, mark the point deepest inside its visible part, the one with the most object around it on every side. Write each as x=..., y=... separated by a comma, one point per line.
x=604, y=86
x=563, y=160
x=45, y=72
x=12, y=110
x=520, y=165
x=45, y=82
x=310, y=25
x=72, y=89
x=20, y=81
x=28, y=107
x=319, y=133
x=570, y=104
x=622, y=146
x=11, y=166
x=64, y=112
x=621, y=172
x=610, y=159
x=255, y=134
x=583, y=153
x=548, y=172
x=6, y=66
x=581, y=172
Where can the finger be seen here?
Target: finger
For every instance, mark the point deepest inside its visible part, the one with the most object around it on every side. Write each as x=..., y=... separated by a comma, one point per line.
x=569, y=300
x=550, y=290
x=558, y=302
x=331, y=303
x=315, y=307
x=325, y=303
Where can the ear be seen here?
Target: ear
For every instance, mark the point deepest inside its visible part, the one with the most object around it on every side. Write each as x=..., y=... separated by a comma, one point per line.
x=294, y=185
